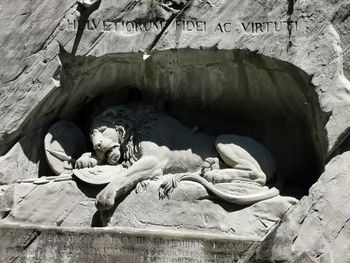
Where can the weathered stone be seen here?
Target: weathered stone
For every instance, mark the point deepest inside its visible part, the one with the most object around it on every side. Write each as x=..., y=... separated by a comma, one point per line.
x=6, y=200
x=321, y=59
x=272, y=70
x=22, y=161
x=318, y=227
x=119, y=245
x=64, y=204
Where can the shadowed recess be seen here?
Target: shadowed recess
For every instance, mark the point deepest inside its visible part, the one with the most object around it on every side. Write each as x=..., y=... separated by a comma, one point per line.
x=218, y=92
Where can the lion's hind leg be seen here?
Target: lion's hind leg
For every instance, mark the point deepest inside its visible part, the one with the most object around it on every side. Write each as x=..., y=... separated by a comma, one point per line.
x=236, y=152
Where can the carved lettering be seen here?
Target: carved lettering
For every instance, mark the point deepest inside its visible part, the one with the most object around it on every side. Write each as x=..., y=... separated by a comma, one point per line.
x=269, y=26
x=72, y=24
x=245, y=27
x=107, y=26
x=110, y=26
x=125, y=247
x=201, y=25
x=258, y=27
x=130, y=26
x=276, y=27
x=95, y=23
x=219, y=28
x=188, y=25
x=224, y=27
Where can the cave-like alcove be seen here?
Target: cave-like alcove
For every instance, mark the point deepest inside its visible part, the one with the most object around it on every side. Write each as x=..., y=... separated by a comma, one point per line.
x=218, y=92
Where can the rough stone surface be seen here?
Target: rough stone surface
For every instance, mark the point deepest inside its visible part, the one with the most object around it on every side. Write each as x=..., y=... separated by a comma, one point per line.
x=64, y=204
x=317, y=229
x=341, y=21
x=51, y=245
x=6, y=199
x=314, y=48
x=286, y=88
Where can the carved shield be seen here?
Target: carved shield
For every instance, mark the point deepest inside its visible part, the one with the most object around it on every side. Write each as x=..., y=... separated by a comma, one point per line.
x=64, y=143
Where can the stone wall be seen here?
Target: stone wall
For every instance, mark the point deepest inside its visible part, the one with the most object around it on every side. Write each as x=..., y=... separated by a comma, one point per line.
x=274, y=70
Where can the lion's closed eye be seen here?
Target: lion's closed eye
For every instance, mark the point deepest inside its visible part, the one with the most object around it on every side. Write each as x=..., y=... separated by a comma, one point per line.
x=102, y=128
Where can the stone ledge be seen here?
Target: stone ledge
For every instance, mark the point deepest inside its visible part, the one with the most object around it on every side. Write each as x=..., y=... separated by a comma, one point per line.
x=52, y=244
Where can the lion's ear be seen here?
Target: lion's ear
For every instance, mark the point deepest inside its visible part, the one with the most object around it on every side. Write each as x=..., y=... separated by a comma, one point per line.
x=121, y=131
x=110, y=112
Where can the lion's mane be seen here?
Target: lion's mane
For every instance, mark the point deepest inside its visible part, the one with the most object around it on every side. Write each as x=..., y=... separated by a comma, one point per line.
x=135, y=119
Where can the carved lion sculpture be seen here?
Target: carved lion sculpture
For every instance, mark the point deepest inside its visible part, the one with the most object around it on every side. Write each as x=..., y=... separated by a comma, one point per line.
x=149, y=144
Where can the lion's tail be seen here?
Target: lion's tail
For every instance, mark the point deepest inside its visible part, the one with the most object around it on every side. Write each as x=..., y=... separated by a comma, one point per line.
x=236, y=199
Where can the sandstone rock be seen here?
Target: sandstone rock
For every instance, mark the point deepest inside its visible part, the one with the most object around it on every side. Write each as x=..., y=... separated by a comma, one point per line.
x=317, y=229
x=6, y=200
x=64, y=86
x=52, y=245
x=22, y=161
x=283, y=85
x=64, y=204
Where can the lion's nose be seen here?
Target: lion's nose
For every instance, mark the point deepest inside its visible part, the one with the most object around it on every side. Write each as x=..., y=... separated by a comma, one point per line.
x=98, y=146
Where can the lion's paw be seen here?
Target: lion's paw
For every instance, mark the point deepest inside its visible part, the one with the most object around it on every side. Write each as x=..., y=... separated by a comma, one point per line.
x=210, y=164
x=141, y=186
x=106, y=198
x=85, y=161
x=166, y=188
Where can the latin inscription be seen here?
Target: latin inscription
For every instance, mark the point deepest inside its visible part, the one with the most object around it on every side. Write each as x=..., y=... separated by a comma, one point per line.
x=126, y=26
x=276, y=26
x=259, y=27
x=118, y=247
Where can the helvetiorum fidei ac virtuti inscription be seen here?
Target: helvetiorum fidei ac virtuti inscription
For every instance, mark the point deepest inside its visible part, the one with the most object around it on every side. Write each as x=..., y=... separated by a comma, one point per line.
x=171, y=131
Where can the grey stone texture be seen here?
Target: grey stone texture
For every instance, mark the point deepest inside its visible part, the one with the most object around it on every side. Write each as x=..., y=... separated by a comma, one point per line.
x=65, y=204
x=274, y=70
x=119, y=245
x=317, y=229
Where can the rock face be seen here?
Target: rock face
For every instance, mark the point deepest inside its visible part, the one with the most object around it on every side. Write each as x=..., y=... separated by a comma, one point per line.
x=317, y=229
x=67, y=206
x=272, y=70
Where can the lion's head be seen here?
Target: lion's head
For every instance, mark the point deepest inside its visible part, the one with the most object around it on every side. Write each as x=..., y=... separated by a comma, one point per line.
x=115, y=134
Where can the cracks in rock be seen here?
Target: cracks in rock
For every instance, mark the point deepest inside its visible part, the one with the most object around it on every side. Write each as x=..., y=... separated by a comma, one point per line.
x=342, y=228
x=290, y=23
x=13, y=259
x=31, y=238
x=179, y=226
x=51, y=36
x=24, y=197
x=94, y=43
x=295, y=238
x=61, y=220
x=44, y=44
x=342, y=14
x=8, y=143
x=19, y=248
x=4, y=214
x=16, y=77
x=261, y=221
x=340, y=146
x=290, y=7
x=167, y=24
x=128, y=6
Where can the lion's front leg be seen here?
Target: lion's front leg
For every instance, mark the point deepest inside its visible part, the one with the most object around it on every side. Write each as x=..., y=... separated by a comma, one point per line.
x=145, y=168
x=106, y=198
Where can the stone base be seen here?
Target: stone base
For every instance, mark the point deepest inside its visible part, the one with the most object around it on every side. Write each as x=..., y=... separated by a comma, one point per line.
x=34, y=244
x=189, y=208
